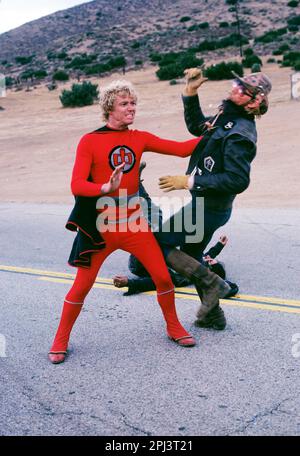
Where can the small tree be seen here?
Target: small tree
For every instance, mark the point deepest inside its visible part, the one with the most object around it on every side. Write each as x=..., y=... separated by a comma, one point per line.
x=40, y=74
x=80, y=95
x=60, y=75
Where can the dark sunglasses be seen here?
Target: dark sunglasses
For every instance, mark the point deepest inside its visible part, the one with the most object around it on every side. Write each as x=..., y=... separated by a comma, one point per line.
x=244, y=89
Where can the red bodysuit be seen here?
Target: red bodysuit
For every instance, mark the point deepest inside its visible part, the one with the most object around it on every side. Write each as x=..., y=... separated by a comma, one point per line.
x=98, y=154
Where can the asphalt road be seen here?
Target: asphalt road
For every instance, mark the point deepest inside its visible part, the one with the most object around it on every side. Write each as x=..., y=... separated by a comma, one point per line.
x=123, y=377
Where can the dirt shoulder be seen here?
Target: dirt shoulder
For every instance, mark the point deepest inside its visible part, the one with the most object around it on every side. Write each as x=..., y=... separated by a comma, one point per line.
x=38, y=139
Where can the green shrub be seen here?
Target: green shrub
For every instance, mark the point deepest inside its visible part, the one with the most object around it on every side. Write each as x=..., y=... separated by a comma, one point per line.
x=284, y=47
x=223, y=70
x=230, y=40
x=112, y=63
x=290, y=58
x=271, y=35
x=223, y=24
x=185, y=19
x=207, y=45
x=28, y=74
x=297, y=65
x=62, y=55
x=60, y=75
x=171, y=71
x=293, y=28
x=51, y=56
x=9, y=81
x=256, y=67
x=80, y=61
x=155, y=57
x=173, y=64
x=40, y=74
x=138, y=62
x=293, y=3
x=170, y=57
x=96, y=69
x=251, y=60
x=248, y=52
x=294, y=20
x=24, y=60
x=173, y=82
x=192, y=28
x=4, y=62
x=271, y=60
x=136, y=45
x=80, y=95
x=203, y=25
x=293, y=55
x=117, y=62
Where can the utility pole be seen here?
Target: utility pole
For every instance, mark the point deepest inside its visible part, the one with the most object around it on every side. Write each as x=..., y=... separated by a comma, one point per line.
x=238, y=26
x=235, y=9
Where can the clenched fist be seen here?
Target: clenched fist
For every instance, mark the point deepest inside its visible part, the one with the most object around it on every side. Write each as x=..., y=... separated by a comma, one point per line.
x=168, y=183
x=194, y=79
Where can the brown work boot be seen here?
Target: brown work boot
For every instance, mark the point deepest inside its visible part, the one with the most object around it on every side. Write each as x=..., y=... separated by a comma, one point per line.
x=215, y=319
x=210, y=287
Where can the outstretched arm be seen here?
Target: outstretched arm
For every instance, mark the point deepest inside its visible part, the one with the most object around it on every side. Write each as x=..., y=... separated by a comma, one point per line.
x=167, y=147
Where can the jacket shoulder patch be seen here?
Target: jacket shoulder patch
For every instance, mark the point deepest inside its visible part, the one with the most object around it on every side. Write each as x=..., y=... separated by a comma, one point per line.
x=229, y=125
x=209, y=163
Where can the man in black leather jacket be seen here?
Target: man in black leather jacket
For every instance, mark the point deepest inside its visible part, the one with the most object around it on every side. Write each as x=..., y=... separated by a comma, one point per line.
x=219, y=168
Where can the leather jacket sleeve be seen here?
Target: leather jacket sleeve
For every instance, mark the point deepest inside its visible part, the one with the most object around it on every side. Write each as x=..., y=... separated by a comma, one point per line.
x=193, y=115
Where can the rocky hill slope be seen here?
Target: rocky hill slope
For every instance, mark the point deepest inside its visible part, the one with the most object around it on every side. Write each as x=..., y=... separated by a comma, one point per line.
x=136, y=29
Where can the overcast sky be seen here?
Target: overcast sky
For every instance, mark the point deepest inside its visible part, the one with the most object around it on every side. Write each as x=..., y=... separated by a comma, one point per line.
x=17, y=12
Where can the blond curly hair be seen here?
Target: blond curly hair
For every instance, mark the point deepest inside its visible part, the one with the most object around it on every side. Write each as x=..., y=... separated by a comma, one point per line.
x=109, y=94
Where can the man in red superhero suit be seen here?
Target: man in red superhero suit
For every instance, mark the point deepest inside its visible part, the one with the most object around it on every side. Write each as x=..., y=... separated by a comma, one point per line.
x=107, y=162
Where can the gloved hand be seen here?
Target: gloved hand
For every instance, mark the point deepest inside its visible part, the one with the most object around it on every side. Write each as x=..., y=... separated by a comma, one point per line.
x=194, y=79
x=168, y=183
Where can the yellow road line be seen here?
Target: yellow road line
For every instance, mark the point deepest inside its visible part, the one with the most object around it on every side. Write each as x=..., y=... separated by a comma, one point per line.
x=247, y=304
x=44, y=272
x=96, y=285
x=250, y=301
x=252, y=297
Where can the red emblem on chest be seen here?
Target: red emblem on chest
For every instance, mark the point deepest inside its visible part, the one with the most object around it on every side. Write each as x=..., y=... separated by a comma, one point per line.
x=121, y=154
